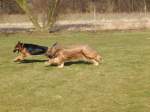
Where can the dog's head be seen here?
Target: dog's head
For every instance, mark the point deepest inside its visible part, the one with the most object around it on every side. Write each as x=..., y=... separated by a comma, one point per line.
x=18, y=47
x=51, y=52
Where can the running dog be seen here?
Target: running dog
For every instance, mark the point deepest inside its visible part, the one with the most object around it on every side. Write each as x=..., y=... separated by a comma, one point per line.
x=58, y=54
x=26, y=50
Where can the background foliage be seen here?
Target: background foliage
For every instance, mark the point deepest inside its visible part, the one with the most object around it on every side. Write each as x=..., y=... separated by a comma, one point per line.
x=67, y=6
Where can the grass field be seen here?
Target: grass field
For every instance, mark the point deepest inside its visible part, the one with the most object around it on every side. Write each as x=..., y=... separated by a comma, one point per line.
x=120, y=84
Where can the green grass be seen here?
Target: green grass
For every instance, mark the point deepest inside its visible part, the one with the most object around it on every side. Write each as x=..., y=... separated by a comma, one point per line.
x=120, y=84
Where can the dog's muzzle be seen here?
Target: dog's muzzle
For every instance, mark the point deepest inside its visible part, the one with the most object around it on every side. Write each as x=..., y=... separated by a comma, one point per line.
x=15, y=50
x=48, y=55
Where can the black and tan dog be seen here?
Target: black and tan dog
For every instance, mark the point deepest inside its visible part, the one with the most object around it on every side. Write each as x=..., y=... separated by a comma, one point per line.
x=26, y=49
x=58, y=54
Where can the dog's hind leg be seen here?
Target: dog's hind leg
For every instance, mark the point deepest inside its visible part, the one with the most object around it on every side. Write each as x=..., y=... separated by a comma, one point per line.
x=95, y=62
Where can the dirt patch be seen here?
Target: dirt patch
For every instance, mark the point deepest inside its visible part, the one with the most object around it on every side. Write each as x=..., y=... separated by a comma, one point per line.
x=88, y=25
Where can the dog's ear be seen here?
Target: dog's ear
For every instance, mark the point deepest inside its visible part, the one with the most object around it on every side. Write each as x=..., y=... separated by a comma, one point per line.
x=19, y=42
x=57, y=46
x=56, y=43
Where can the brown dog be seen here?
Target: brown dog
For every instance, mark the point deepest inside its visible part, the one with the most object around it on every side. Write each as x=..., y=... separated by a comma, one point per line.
x=26, y=49
x=58, y=55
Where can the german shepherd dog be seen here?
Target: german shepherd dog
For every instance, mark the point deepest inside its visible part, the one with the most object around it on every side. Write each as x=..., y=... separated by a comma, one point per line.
x=58, y=54
x=26, y=49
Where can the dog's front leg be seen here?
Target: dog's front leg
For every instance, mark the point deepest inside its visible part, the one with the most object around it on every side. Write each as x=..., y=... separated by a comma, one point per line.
x=49, y=62
x=58, y=61
x=61, y=65
x=55, y=61
x=19, y=58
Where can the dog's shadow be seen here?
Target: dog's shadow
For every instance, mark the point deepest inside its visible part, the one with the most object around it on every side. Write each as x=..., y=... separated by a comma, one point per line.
x=66, y=63
x=76, y=62
x=32, y=61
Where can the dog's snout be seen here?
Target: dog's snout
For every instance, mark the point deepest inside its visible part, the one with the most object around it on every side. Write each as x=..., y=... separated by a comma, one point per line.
x=14, y=50
x=48, y=55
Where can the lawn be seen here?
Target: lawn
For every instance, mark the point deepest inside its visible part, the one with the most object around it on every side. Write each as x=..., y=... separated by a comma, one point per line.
x=120, y=84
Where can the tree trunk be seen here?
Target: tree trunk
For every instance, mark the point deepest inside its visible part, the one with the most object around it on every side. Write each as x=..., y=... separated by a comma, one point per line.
x=50, y=14
x=145, y=7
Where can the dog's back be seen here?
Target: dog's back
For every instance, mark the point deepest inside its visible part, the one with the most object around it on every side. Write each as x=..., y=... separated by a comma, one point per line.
x=34, y=49
x=78, y=52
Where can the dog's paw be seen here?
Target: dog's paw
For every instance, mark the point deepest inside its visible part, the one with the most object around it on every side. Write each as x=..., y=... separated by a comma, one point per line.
x=96, y=64
x=16, y=60
x=61, y=66
x=47, y=63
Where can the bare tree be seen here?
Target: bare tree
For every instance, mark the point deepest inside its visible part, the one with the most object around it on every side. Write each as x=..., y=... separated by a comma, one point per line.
x=42, y=13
